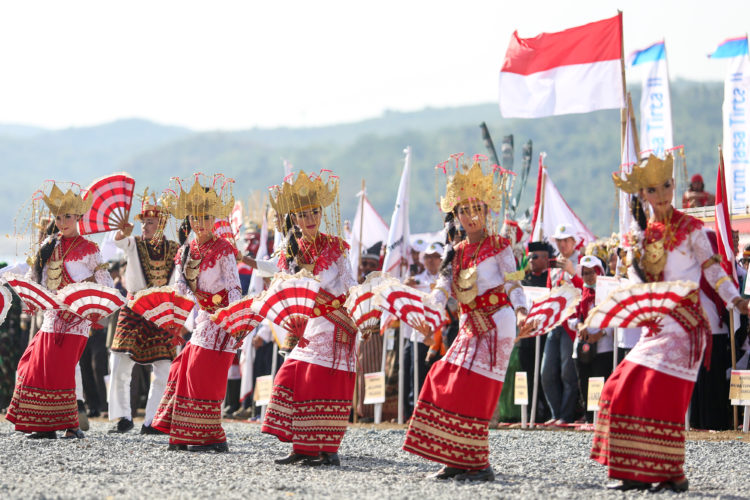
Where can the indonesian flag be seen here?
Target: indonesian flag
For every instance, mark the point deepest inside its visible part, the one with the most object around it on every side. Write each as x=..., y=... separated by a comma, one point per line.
x=723, y=223
x=573, y=71
x=551, y=210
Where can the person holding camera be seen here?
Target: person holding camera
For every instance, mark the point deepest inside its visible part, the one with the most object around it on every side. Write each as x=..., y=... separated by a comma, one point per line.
x=559, y=379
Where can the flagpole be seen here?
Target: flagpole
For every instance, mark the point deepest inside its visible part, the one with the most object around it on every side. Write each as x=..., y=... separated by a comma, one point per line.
x=623, y=111
x=361, y=222
x=359, y=260
x=636, y=140
x=735, y=416
x=538, y=340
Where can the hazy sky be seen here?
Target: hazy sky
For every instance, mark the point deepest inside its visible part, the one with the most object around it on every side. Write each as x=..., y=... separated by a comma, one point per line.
x=239, y=64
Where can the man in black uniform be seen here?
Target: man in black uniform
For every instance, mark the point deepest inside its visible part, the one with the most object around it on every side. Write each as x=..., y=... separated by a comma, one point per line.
x=540, y=253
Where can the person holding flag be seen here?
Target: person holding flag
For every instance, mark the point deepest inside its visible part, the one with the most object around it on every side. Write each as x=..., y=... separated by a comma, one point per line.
x=481, y=273
x=640, y=432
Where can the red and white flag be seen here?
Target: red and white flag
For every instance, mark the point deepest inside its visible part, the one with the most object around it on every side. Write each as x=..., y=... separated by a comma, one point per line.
x=723, y=223
x=370, y=225
x=573, y=71
x=551, y=210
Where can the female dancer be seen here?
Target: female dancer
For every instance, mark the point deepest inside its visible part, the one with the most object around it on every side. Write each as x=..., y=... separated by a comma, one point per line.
x=640, y=432
x=44, y=400
x=190, y=410
x=313, y=390
x=451, y=421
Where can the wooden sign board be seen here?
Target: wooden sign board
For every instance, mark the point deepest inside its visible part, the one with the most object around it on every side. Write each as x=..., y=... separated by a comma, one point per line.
x=604, y=286
x=374, y=388
x=521, y=389
x=739, y=387
x=263, y=386
x=596, y=384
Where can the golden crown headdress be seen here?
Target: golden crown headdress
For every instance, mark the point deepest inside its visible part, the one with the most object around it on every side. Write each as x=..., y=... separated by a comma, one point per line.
x=470, y=183
x=60, y=203
x=150, y=206
x=650, y=172
x=214, y=199
x=305, y=193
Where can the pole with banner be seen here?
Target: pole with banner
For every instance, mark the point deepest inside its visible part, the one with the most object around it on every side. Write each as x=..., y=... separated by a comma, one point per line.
x=736, y=120
x=396, y=254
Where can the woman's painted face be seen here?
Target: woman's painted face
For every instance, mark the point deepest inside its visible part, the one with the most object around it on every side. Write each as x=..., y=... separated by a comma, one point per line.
x=660, y=196
x=202, y=225
x=308, y=221
x=67, y=224
x=472, y=216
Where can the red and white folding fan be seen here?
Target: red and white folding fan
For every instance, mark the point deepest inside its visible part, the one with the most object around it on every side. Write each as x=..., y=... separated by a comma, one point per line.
x=6, y=300
x=33, y=295
x=551, y=309
x=433, y=313
x=113, y=196
x=91, y=301
x=404, y=302
x=289, y=301
x=163, y=307
x=361, y=304
x=639, y=305
x=239, y=318
x=223, y=229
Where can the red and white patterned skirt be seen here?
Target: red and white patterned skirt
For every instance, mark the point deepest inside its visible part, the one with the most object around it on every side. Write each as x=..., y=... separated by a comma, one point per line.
x=45, y=395
x=640, y=430
x=309, y=406
x=190, y=410
x=451, y=422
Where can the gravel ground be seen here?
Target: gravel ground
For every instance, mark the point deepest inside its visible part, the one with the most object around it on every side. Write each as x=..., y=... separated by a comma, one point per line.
x=528, y=464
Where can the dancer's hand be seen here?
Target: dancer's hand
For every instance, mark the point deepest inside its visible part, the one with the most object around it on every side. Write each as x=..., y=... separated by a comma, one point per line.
x=527, y=328
x=741, y=306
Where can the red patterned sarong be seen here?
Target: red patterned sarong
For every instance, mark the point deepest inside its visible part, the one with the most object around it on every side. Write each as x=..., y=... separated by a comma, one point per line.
x=451, y=422
x=190, y=410
x=640, y=430
x=45, y=395
x=309, y=407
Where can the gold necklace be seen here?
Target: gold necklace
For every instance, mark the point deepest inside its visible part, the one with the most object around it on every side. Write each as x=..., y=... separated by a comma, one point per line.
x=55, y=266
x=465, y=286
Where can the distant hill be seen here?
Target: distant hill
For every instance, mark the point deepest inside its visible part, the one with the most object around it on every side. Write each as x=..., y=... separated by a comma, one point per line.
x=582, y=151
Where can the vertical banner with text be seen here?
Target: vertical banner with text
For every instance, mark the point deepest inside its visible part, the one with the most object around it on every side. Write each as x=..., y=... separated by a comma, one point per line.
x=736, y=124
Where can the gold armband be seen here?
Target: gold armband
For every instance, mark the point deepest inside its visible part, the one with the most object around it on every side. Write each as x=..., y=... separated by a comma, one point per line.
x=714, y=259
x=103, y=266
x=720, y=281
x=446, y=292
x=513, y=287
x=515, y=276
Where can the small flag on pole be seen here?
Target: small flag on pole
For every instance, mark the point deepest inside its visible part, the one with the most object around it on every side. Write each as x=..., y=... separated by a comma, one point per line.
x=723, y=223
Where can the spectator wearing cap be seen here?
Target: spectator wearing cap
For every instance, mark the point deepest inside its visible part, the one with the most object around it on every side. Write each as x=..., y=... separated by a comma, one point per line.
x=540, y=253
x=559, y=379
x=418, y=246
x=696, y=196
x=592, y=349
x=370, y=261
x=430, y=258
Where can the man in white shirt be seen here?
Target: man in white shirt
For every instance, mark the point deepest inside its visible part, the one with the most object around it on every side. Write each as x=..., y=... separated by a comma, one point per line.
x=150, y=263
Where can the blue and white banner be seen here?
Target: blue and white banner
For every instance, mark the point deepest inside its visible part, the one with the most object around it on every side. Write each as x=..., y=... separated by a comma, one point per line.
x=736, y=114
x=656, y=106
